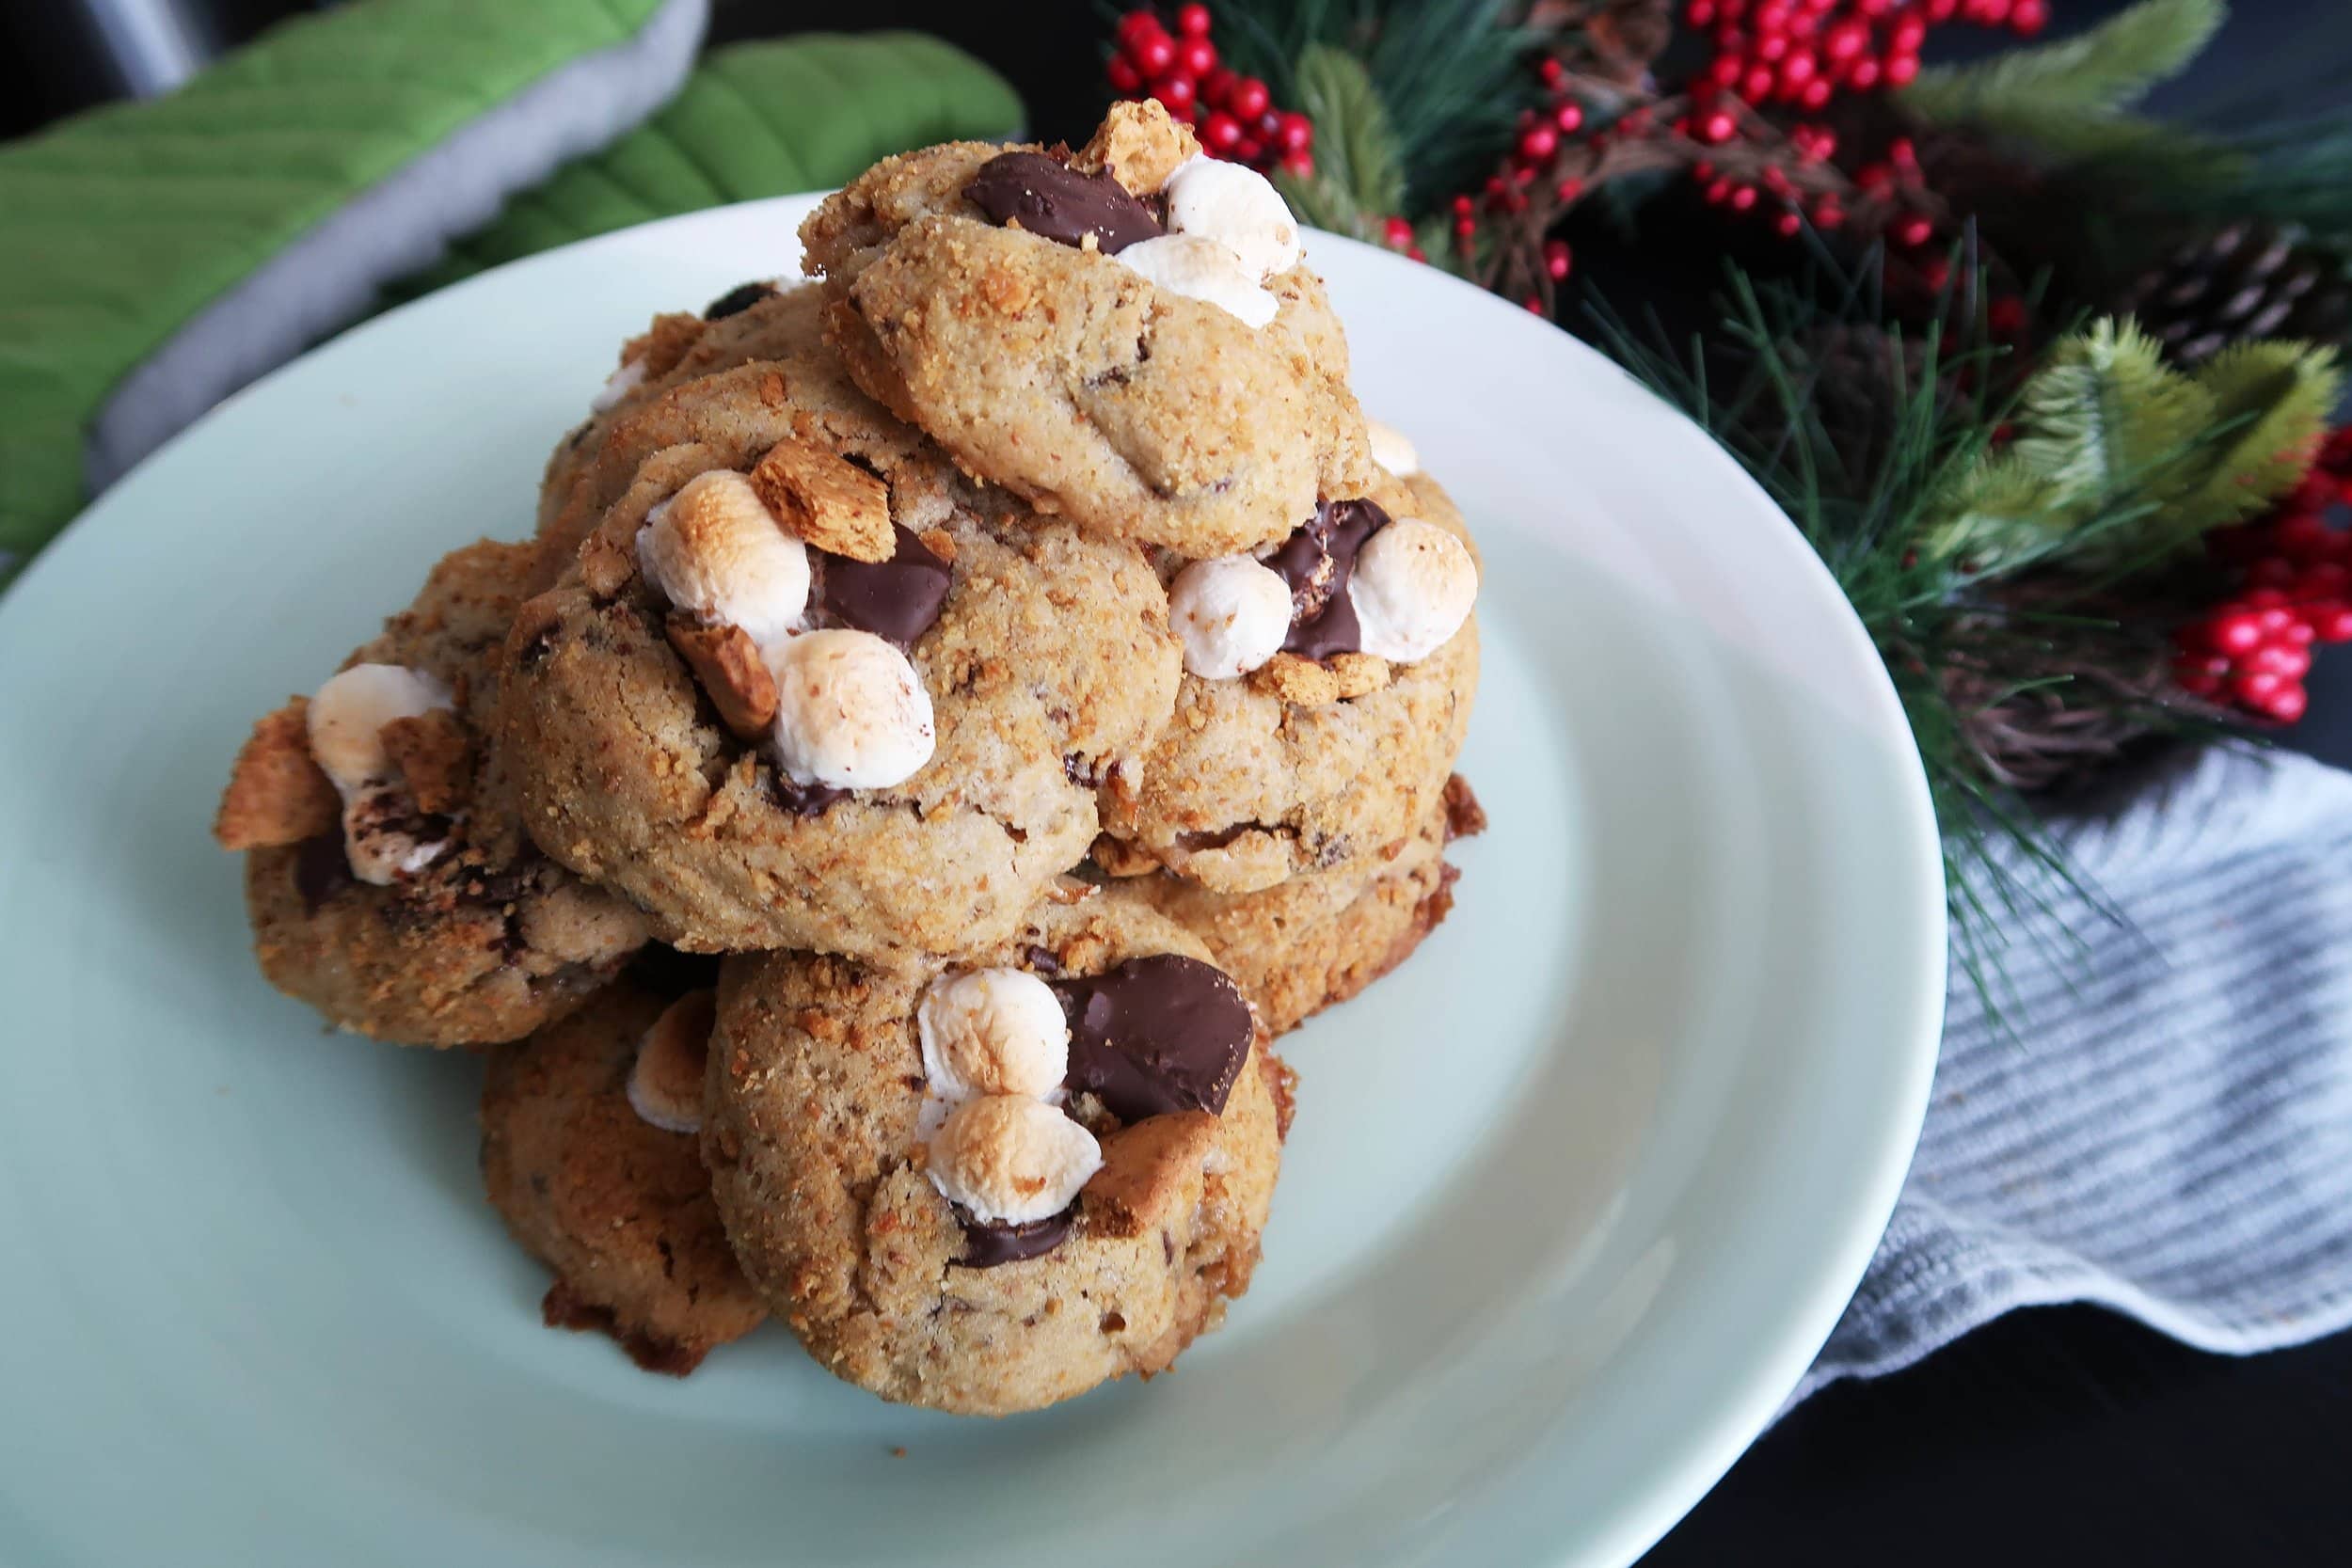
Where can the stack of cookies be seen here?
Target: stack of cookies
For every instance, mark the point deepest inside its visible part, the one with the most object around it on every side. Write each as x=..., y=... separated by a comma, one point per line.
x=953, y=716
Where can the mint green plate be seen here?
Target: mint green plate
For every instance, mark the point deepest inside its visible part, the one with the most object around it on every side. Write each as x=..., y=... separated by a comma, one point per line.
x=1571, y=1199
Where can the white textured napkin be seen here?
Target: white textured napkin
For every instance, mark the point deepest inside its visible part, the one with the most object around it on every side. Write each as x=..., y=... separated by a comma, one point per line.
x=2169, y=1130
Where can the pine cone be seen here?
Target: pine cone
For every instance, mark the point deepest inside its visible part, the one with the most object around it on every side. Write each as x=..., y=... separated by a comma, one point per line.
x=2249, y=280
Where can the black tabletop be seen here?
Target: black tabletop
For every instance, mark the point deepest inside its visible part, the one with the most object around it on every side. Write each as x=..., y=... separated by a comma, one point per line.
x=2062, y=1436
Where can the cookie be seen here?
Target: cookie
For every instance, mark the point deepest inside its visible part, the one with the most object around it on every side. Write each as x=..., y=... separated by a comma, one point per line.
x=1295, y=747
x=728, y=390
x=766, y=741
x=388, y=880
x=1125, y=336
x=987, y=1186
x=1319, y=939
x=598, y=1175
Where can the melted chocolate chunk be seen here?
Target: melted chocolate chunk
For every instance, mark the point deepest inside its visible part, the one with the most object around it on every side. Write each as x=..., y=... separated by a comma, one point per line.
x=805, y=799
x=738, y=300
x=1161, y=1033
x=1049, y=199
x=1317, y=561
x=321, y=869
x=987, y=1245
x=895, y=599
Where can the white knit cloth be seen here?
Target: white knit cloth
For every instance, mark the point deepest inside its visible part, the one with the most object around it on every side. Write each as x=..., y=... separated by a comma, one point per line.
x=2169, y=1130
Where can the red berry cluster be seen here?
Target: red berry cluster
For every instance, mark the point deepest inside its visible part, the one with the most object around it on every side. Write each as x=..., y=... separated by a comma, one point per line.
x=2254, y=648
x=1233, y=114
x=1801, y=55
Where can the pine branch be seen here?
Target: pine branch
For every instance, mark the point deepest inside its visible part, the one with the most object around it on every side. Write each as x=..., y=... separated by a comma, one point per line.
x=2068, y=95
x=2273, y=401
x=1360, y=176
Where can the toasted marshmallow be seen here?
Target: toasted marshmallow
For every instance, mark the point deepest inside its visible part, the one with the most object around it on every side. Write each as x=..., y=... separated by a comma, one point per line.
x=665, y=1083
x=1230, y=613
x=717, y=552
x=348, y=715
x=1412, y=590
x=993, y=1031
x=850, y=711
x=1009, y=1160
x=1237, y=207
x=1391, y=449
x=618, y=386
x=1204, y=269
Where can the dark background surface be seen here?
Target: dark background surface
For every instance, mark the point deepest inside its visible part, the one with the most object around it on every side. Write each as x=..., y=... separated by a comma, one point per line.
x=2057, y=1437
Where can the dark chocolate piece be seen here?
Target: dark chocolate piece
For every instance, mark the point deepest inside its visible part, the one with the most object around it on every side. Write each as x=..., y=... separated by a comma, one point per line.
x=987, y=1245
x=738, y=300
x=1156, y=1035
x=1317, y=561
x=1049, y=199
x=321, y=869
x=896, y=599
x=805, y=799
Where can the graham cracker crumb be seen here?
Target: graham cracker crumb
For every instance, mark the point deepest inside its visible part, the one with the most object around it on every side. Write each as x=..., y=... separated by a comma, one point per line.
x=829, y=502
x=726, y=661
x=1464, y=816
x=1145, y=1169
x=940, y=542
x=1141, y=143
x=662, y=345
x=434, y=756
x=276, y=795
x=1295, y=680
x=1360, y=674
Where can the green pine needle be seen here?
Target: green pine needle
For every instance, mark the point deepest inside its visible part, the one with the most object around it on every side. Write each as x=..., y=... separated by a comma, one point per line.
x=2070, y=96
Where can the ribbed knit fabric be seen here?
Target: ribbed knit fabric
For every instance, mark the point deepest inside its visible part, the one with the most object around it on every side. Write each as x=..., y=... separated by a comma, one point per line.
x=2167, y=1128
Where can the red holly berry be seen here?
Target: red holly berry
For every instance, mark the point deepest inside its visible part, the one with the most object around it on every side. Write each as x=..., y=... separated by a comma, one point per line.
x=1913, y=230
x=1557, y=259
x=2304, y=535
x=1701, y=13
x=1757, y=85
x=1568, y=118
x=1537, y=143
x=1742, y=197
x=1154, y=53
x=1845, y=40
x=2255, y=687
x=1398, y=232
x=2028, y=17
x=2281, y=659
x=2234, y=632
x=1196, y=55
x=1900, y=70
x=1249, y=99
x=1137, y=24
x=1249, y=149
x=1828, y=214
x=1788, y=225
x=1862, y=74
x=1177, y=91
x=1571, y=189
x=1220, y=132
x=1125, y=77
x=2288, y=703
x=1717, y=127
x=1300, y=163
x=2006, y=316
x=1817, y=94
x=2329, y=622
x=1296, y=135
x=1908, y=33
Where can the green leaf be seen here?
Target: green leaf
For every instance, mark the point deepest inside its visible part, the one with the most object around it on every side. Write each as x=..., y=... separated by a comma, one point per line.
x=2057, y=94
x=2272, y=400
x=1356, y=150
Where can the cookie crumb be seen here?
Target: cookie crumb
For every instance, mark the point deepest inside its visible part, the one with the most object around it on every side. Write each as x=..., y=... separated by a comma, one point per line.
x=1295, y=680
x=1464, y=817
x=898, y=1453
x=660, y=346
x=1141, y=144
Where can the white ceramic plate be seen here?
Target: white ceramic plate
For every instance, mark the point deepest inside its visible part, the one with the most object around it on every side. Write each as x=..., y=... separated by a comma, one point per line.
x=1569, y=1204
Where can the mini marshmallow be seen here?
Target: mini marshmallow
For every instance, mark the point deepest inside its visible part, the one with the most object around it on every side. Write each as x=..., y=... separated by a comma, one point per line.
x=850, y=711
x=1391, y=449
x=717, y=552
x=665, y=1082
x=993, y=1031
x=618, y=386
x=346, y=721
x=1412, y=590
x=1232, y=614
x=1204, y=269
x=1009, y=1160
x=1237, y=207
x=348, y=715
